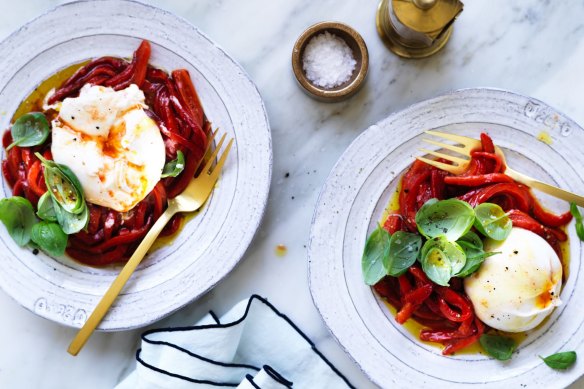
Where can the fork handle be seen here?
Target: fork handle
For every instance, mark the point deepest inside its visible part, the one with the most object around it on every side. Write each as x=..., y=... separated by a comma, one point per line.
x=546, y=188
x=116, y=287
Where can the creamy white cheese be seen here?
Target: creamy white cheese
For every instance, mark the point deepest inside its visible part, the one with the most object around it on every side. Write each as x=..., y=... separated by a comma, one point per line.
x=516, y=290
x=114, y=148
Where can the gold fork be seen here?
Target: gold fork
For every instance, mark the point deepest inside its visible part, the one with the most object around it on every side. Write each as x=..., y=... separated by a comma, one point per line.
x=191, y=199
x=460, y=165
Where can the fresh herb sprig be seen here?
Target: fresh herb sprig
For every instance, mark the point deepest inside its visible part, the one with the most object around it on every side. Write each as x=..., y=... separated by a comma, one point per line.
x=560, y=361
x=31, y=129
x=578, y=218
x=499, y=347
x=175, y=167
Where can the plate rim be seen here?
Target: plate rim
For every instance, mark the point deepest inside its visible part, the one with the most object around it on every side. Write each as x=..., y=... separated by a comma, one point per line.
x=567, y=380
x=263, y=192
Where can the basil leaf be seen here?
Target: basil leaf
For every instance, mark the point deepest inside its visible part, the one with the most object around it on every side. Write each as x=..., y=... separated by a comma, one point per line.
x=451, y=251
x=71, y=223
x=63, y=186
x=579, y=225
x=404, y=248
x=560, y=361
x=49, y=237
x=174, y=167
x=472, y=245
x=46, y=209
x=437, y=266
x=498, y=347
x=376, y=248
x=17, y=214
x=492, y=221
x=450, y=218
x=28, y=130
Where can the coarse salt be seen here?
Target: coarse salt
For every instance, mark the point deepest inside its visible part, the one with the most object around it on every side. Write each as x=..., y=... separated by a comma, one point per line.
x=328, y=61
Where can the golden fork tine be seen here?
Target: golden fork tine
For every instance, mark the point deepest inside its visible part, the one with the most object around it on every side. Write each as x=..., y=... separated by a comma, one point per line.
x=458, y=149
x=460, y=161
x=222, y=160
x=439, y=165
x=463, y=140
x=214, y=155
x=208, y=149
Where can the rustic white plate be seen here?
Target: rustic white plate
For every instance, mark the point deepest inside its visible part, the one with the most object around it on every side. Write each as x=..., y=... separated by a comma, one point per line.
x=212, y=243
x=352, y=201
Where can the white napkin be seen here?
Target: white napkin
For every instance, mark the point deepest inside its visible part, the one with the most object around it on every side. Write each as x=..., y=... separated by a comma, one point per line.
x=251, y=346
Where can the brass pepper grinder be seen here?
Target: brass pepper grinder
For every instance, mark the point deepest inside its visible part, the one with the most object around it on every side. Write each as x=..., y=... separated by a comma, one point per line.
x=416, y=28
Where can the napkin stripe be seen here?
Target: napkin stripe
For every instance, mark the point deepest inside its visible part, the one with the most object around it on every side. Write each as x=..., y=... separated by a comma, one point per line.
x=277, y=376
x=144, y=338
x=215, y=317
x=249, y=379
x=161, y=371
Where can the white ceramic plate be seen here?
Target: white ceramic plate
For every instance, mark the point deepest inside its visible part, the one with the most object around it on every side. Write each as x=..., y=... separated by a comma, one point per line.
x=212, y=243
x=352, y=202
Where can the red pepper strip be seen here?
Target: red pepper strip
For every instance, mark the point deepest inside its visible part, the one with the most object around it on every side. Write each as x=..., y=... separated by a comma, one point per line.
x=404, y=285
x=37, y=185
x=101, y=259
x=549, y=219
x=188, y=95
x=6, y=139
x=386, y=288
x=141, y=66
x=138, y=68
x=110, y=224
x=75, y=82
x=423, y=312
x=419, y=275
x=173, y=226
x=27, y=156
x=437, y=186
x=483, y=179
x=449, y=297
x=82, y=239
x=70, y=89
x=458, y=344
x=487, y=163
x=516, y=191
x=487, y=143
x=393, y=223
x=412, y=300
x=411, y=182
x=7, y=173
x=432, y=304
x=523, y=220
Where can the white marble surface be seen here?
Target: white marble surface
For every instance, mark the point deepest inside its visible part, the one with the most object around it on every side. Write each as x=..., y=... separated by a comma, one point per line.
x=534, y=47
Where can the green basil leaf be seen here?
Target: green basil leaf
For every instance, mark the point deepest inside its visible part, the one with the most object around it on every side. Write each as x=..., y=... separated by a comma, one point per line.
x=499, y=347
x=451, y=251
x=472, y=245
x=578, y=217
x=560, y=361
x=376, y=248
x=437, y=266
x=63, y=186
x=492, y=221
x=49, y=237
x=174, y=167
x=404, y=248
x=450, y=218
x=46, y=208
x=28, y=130
x=17, y=214
x=71, y=223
